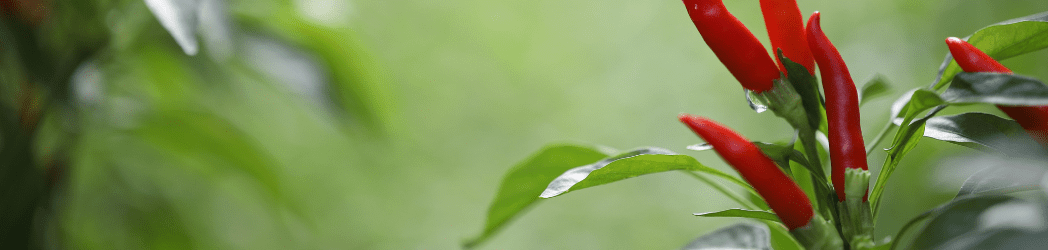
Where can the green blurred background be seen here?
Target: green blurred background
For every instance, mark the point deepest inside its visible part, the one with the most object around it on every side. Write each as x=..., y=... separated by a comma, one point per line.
x=353, y=124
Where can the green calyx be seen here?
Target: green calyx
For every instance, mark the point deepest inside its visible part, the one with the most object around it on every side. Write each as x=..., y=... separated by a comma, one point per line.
x=856, y=183
x=855, y=214
x=818, y=234
x=785, y=102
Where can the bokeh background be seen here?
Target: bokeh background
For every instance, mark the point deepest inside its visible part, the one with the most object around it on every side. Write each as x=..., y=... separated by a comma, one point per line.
x=351, y=124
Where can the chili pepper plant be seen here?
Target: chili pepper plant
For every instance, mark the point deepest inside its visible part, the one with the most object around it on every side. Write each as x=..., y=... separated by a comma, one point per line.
x=819, y=194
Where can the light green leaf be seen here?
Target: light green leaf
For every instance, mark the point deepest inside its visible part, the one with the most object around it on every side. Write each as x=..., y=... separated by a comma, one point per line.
x=522, y=185
x=742, y=213
x=1002, y=41
x=876, y=87
x=628, y=165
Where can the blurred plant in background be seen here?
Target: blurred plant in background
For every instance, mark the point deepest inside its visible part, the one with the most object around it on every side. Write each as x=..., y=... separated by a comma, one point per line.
x=115, y=137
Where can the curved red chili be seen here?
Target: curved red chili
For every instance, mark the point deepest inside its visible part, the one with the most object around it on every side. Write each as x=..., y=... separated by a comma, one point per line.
x=1033, y=119
x=786, y=30
x=733, y=44
x=842, y=106
x=778, y=190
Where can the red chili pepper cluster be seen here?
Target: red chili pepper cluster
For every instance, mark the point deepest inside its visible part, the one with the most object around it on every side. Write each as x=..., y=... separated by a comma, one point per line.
x=842, y=107
x=1033, y=119
x=781, y=193
x=749, y=62
x=733, y=44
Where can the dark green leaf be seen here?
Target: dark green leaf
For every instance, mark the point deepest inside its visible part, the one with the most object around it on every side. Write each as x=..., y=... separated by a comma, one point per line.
x=1005, y=176
x=179, y=17
x=981, y=131
x=984, y=222
x=806, y=86
x=742, y=213
x=522, y=185
x=1002, y=41
x=876, y=87
x=738, y=236
x=994, y=88
x=628, y=165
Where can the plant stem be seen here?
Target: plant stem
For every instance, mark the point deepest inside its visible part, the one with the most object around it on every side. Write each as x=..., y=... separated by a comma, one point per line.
x=719, y=187
x=827, y=197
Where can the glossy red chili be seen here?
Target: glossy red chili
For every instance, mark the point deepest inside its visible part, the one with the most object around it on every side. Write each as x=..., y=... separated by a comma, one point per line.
x=786, y=30
x=778, y=190
x=842, y=106
x=733, y=44
x=1033, y=119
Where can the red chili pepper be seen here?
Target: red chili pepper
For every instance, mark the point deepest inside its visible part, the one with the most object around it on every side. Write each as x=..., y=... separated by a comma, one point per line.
x=778, y=190
x=786, y=30
x=733, y=44
x=1033, y=119
x=842, y=106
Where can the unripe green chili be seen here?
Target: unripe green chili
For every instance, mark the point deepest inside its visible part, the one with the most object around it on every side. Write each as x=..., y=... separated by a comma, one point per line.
x=733, y=44
x=786, y=30
x=842, y=107
x=1033, y=119
x=780, y=192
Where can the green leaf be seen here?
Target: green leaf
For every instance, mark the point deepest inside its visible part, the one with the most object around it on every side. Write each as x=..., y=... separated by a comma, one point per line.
x=984, y=222
x=522, y=185
x=920, y=100
x=179, y=17
x=995, y=88
x=1002, y=41
x=906, y=138
x=806, y=86
x=359, y=84
x=1005, y=176
x=738, y=236
x=876, y=87
x=981, y=131
x=899, y=104
x=742, y=213
x=628, y=165
x=182, y=133
x=781, y=239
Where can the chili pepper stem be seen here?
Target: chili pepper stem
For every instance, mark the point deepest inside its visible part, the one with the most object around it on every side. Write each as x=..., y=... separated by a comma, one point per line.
x=785, y=102
x=818, y=235
x=856, y=217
